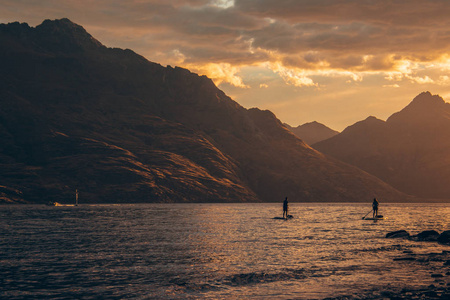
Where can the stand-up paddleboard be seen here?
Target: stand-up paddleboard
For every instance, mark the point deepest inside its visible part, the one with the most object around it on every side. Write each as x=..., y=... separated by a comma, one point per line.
x=281, y=218
x=379, y=217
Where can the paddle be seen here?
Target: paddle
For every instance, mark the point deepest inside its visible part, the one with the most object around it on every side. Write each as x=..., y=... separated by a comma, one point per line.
x=367, y=214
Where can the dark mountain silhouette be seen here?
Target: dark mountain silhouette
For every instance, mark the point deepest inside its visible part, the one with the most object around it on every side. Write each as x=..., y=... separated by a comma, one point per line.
x=410, y=151
x=77, y=115
x=312, y=132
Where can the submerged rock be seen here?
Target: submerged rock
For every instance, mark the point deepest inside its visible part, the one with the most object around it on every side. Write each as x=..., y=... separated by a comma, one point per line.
x=398, y=234
x=428, y=235
x=444, y=238
x=404, y=258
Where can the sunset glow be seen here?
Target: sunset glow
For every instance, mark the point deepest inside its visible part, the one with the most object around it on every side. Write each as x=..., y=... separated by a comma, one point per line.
x=335, y=62
x=225, y=149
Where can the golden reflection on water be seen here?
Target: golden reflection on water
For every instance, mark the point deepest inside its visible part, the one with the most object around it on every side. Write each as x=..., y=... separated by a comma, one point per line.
x=213, y=250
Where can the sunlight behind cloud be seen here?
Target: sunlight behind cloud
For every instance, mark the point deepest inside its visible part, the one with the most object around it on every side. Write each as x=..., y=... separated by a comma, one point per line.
x=223, y=3
x=292, y=76
x=444, y=80
x=221, y=72
x=421, y=80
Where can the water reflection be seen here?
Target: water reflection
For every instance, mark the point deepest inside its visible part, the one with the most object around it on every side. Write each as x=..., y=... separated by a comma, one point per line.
x=210, y=250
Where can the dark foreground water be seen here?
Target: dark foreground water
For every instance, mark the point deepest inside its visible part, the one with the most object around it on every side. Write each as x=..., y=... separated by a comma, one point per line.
x=217, y=251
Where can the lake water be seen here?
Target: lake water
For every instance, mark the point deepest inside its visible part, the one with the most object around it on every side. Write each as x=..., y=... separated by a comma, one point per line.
x=216, y=251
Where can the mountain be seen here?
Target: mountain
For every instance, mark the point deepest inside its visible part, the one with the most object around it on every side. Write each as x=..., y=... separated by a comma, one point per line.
x=312, y=132
x=75, y=114
x=410, y=150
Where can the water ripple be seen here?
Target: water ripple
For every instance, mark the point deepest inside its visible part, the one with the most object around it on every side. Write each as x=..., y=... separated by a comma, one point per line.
x=217, y=251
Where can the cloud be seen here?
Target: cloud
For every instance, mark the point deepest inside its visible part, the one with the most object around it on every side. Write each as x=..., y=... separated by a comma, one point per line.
x=221, y=73
x=296, y=39
x=421, y=80
x=425, y=13
x=444, y=80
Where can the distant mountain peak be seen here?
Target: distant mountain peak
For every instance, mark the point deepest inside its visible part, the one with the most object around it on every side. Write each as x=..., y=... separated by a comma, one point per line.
x=426, y=99
x=59, y=23
x=314, y=123
x=372, y=119
x=370, y=123
x=424, y=106
x=65, y=36
x=369, y=120
x=312, y=132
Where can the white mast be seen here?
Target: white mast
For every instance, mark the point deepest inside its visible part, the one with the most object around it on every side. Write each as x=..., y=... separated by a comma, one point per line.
x=76, y=197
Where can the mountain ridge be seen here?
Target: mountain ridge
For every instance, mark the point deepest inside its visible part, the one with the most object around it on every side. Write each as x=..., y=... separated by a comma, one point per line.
x=408, y=150
x=121, y=129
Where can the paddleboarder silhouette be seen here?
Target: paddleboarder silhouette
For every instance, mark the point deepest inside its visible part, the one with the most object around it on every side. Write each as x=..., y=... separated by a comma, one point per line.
x=285, y=208
x=375, y=207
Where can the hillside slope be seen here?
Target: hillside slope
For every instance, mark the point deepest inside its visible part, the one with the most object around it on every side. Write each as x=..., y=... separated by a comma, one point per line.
x=77, y=115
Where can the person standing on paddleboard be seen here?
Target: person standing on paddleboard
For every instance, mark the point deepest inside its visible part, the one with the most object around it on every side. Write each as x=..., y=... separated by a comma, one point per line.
x=285, y=208
x=375, y=207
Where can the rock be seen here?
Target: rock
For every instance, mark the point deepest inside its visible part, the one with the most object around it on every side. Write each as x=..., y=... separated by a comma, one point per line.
x=444, y=238
x=428, y=235
x=430, y=294
x=404, y=258
x=398, y=234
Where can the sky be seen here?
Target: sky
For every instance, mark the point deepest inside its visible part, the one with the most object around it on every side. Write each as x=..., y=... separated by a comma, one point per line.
x=331, y=61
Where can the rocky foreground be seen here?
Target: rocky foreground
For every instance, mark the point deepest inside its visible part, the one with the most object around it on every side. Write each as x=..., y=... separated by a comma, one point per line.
x=425, y=236
x=437, y=262
x=440, y=265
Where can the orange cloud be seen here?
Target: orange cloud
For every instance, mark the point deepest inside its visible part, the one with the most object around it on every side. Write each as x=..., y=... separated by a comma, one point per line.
x=357, y=36
x=219, y=73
